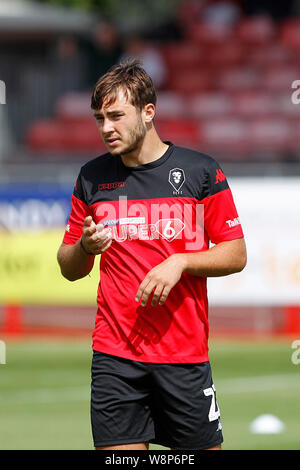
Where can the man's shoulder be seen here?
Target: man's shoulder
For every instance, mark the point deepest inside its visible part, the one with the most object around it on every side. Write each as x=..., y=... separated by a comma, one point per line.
x=195, y=158
x=96, y=163
x=203, y=170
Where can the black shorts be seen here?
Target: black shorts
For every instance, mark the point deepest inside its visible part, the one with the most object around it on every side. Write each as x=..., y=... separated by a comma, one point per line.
x=173, y=405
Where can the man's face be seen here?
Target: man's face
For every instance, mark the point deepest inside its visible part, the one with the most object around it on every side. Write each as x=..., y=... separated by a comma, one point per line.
x=121, y=125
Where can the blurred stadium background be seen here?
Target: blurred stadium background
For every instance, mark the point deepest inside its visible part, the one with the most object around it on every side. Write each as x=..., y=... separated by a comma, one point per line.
x=225, y=73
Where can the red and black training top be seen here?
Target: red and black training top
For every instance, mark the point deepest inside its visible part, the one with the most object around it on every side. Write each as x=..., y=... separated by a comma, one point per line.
x=178, y=203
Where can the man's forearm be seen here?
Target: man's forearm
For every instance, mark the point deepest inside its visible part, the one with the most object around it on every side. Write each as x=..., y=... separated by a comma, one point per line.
x=74, y=262
x=220, y=260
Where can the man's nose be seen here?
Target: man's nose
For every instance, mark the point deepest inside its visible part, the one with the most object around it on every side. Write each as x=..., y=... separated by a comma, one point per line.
x=107, y=126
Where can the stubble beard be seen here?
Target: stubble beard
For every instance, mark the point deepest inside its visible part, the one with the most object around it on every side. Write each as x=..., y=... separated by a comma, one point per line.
x=136, y=137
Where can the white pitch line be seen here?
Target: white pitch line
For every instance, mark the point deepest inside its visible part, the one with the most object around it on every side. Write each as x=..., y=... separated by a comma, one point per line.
x=260, y=383
x=234, y=385
x=45, y=395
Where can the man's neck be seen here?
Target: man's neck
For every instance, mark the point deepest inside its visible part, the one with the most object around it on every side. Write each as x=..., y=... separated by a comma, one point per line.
x=151, y=149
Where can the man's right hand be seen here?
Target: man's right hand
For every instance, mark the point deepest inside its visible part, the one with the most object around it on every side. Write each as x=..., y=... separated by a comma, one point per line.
x=96, y=239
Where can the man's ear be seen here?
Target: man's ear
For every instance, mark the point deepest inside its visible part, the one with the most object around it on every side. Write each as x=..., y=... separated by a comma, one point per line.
x=149, y=113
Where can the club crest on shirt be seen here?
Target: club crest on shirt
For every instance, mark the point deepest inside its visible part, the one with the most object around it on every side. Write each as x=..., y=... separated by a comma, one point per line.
x=176, y=179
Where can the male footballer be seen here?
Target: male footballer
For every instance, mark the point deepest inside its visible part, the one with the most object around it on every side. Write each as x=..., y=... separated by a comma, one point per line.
x=163, y=219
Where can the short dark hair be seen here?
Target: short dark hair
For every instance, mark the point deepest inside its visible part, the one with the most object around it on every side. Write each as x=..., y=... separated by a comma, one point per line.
x=128, y=76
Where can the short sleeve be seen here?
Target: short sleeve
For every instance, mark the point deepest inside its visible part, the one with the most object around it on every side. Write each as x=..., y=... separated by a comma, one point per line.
x=79, y=211
x=221, y=219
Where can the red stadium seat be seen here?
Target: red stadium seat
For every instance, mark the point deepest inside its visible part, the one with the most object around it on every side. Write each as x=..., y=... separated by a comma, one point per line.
x=286, y=106
x=227, y=135
x=254, y=103
x=44, y=136
x=171, y=105
x=182, y=54
x=227, y=54
x=294, y=144
x=278, y=78
x=178, y=131
x=74, y=106
x=242, y=138
x=82, y=136
x=210, y=104
x=210, y=33
x=63, y=137
x=239, y=78
x=274, y=54
x=270, y=134
x=256, y=31
x=290, y=34
x=191, y=81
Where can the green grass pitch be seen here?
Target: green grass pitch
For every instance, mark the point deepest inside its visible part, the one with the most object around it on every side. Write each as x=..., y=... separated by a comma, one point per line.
x=44, y=393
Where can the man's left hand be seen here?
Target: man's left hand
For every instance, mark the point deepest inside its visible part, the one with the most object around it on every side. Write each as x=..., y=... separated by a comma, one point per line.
x=160, y=280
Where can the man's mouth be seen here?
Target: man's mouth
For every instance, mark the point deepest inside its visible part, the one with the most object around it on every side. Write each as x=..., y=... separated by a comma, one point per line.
x=112, y=141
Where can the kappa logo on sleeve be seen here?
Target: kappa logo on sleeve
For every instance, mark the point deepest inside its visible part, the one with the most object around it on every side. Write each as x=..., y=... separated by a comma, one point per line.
x=220, y=176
